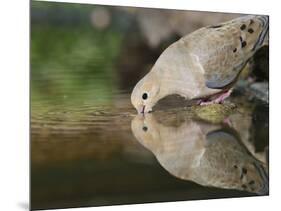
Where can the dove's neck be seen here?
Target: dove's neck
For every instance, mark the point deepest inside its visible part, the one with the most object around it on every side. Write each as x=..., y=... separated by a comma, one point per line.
x=183, y=76
x=171, y=84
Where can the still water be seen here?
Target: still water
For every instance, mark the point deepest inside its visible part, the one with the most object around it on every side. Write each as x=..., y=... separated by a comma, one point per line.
x=90, y=148
x=90, y=155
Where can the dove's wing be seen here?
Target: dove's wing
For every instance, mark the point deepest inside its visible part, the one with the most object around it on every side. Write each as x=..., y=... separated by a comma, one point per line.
x=223, y=50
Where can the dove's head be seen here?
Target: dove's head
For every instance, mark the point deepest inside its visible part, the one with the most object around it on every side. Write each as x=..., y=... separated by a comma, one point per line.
x=146, y=93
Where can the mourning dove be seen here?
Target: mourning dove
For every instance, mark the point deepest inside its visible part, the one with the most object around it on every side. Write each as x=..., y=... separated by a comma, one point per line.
x=204, y=64
x=203, y=153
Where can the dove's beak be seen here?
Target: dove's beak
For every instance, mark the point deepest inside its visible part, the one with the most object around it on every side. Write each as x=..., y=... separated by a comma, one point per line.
x=143, y=109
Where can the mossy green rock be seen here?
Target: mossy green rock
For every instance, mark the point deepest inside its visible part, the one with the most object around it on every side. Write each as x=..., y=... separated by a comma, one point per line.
x=214, y=113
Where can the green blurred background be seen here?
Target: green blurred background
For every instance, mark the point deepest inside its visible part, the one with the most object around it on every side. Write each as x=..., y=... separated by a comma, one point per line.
x=71, y=59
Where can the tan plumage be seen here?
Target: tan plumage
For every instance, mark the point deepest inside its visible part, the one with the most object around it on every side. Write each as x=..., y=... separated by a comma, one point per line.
x=203, y=153
x=204, y=63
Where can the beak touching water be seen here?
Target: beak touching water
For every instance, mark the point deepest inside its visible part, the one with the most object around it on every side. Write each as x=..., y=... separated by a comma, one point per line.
x=143, y=110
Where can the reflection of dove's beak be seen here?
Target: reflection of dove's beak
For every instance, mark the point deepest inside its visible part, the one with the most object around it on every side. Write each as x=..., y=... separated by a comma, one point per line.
x=142, y=111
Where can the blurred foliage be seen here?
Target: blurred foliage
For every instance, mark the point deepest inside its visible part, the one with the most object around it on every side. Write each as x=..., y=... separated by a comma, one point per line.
x=71, y=64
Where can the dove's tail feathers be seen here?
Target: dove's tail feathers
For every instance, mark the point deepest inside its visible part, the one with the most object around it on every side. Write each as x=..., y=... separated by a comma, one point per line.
x=264, y=32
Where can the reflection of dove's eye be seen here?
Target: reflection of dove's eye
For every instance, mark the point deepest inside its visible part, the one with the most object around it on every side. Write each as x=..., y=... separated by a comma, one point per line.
x=144, y=96
x=144, y=128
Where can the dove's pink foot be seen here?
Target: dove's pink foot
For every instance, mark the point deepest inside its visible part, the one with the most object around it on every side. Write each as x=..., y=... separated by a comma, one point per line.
x=218, y=99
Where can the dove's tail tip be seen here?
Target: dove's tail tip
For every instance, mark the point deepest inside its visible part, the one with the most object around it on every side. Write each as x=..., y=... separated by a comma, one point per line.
x=263, y=37
x=265, y=22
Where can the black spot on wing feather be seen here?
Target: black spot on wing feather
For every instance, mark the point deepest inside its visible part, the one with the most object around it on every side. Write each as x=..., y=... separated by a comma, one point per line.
x=215, y=26
x=244, y=186
x=243, y=26
x=252, y=182
x=244, y=170
x=250, y=30
x=251, y=21
x=243, y=44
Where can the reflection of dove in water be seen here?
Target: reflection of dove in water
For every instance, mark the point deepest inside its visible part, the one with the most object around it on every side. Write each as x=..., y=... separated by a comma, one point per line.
x=202, y=153
x=204, y=64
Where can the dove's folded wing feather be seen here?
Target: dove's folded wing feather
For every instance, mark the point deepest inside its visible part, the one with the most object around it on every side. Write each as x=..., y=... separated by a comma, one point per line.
x=223, y=50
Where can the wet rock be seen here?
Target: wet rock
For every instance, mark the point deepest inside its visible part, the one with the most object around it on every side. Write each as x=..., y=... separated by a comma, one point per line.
x=261, y=64
x=260, y=128
x=215, y=113
x=247, y=70
x=256, y=90
x=260, y=91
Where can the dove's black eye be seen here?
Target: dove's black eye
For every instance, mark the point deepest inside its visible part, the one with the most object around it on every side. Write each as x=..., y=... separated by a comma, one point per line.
x=144, y=128
x=144, y=96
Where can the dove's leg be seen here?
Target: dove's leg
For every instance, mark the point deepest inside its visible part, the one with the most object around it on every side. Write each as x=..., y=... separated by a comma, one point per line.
x=218, y=99
x=223, y=96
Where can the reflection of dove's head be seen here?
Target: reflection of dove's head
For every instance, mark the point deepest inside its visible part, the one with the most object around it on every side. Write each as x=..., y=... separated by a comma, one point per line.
x=146, y=93
x=168, y=142
x=145, y=128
